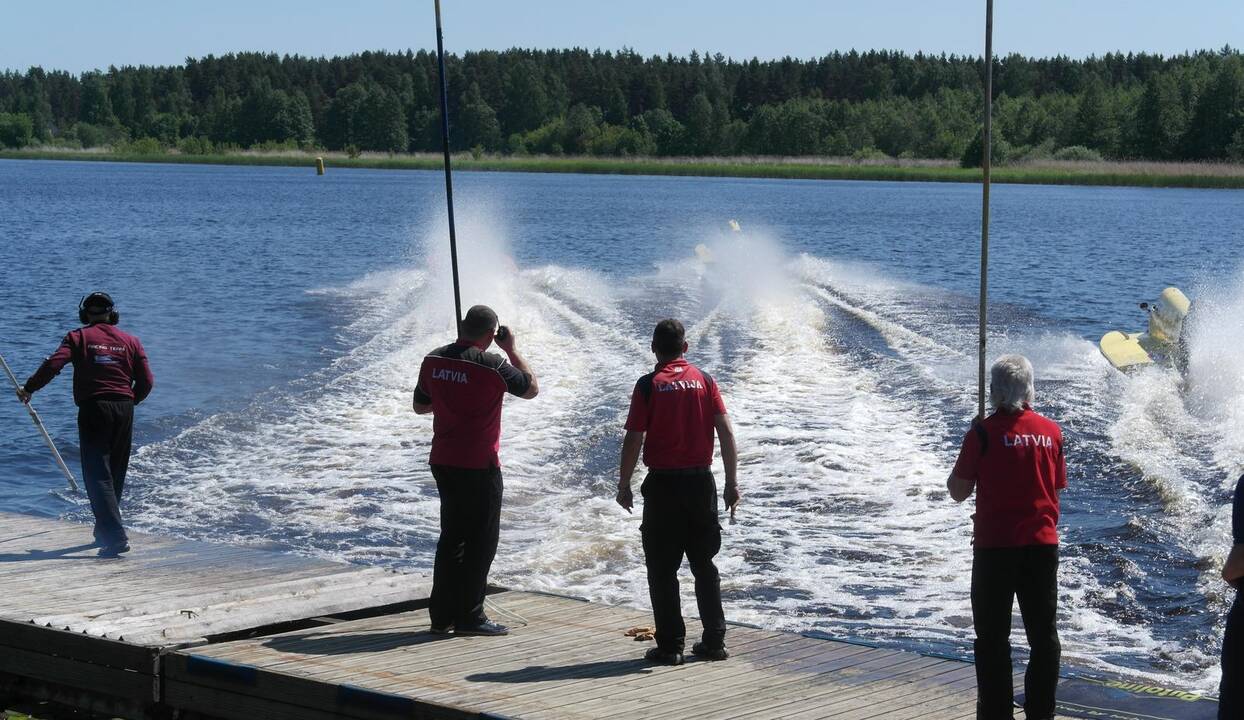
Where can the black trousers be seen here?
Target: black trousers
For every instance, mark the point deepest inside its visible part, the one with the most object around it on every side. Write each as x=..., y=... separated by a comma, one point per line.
x=470, y=528
x=680, y=518
x=998, y=576
x=105, y=432
x=1231, y=692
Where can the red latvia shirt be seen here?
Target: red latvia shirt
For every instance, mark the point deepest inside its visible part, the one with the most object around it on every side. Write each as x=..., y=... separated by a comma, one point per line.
x=676, y=406
x=1018, y=467
x=465, y=387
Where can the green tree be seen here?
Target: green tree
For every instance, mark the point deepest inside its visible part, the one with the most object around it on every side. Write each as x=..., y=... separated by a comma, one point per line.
x=478, y=123
x=381, y=122
x=1218, y=112
x=1096, y=126
x=16, y=130
x=526, y=103
x=701, y=129
x=1160, y=118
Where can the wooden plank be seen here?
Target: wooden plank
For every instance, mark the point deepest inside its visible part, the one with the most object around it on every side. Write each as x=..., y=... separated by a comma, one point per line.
x=584, y=687
x=280, y=689
x=274, y=613
x=76, y=646
x=235, y=706
x=79, y=674
x=737, y=671
x=33, y=694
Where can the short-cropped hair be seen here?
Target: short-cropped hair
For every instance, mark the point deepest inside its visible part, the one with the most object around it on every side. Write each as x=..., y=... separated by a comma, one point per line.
x=1010, y=383
x=479, y=321
x=668, y=338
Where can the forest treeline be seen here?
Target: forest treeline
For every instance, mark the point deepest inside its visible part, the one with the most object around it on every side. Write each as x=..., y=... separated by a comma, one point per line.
x=1133, y=106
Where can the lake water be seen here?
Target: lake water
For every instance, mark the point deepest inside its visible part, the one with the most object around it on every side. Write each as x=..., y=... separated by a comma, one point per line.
x=286, y=314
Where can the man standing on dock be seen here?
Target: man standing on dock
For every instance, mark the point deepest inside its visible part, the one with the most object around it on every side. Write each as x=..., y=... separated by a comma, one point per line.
x=1014, y=461
x=674, y=412
x=110, y=377
x=463, y=386
x=1231, y=690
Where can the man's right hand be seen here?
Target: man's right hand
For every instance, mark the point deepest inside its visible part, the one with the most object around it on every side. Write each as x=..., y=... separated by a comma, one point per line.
x=505, y=340
x=731, y=495
x=23, y=396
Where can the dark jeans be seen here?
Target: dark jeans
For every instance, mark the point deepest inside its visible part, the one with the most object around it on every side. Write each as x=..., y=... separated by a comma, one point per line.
x=680, y=517
x=470, y=527
x=999, y=575
x=105, y=429
x=1231, y=692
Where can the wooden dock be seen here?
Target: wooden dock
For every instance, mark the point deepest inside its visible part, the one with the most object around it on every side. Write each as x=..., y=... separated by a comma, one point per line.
x=187, y=629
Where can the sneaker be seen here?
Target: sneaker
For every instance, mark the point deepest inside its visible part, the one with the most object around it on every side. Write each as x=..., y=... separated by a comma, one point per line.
x=487, y=627
x=112, y=551
x=709, y=652
x=441, y=629
x=663, y=657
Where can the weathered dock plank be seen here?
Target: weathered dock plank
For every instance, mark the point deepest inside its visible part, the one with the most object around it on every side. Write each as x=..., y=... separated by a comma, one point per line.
x=150, y=634
x=571, y=661
x=91, y=633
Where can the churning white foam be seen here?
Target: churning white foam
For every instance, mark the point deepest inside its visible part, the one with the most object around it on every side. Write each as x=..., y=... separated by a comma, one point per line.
x=845, y=523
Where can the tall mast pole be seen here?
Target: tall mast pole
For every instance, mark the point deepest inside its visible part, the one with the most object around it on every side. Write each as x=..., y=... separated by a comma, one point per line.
x=986, y=161
x=449, y=183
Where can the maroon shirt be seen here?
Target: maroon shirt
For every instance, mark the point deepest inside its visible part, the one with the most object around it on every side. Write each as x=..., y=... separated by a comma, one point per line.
x=676, y=405
x=1017, y=462
x=107, y=363
x=465, y=387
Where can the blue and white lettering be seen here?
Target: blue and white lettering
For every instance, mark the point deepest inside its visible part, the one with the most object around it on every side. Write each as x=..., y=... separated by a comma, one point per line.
x=1027, y=440
x=455, y=376
x=675, y=385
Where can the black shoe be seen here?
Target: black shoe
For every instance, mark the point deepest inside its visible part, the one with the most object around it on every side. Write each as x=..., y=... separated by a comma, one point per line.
x=663, y=657
x=487, y=627
x=112, y=551
x=441, y=629
x=709, y=652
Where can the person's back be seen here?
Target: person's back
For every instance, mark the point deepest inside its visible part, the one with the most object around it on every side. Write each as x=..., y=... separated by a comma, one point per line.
x=1019, y=470
x=1014, y=462
x=463, y=386
x=111, y=375
x=675, y=411
x=679, y=405
x=466, y=389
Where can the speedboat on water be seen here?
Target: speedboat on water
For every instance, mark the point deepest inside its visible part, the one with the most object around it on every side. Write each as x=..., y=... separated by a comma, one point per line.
x=1161, y=345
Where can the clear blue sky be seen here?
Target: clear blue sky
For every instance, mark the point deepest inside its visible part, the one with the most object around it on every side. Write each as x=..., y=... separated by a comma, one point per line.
x=78, y=35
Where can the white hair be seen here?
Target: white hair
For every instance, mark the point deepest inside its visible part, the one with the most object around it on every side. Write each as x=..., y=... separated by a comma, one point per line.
x=1010, y=383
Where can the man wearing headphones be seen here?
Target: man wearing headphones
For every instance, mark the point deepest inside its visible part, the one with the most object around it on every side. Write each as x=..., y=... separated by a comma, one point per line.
x=110, y=377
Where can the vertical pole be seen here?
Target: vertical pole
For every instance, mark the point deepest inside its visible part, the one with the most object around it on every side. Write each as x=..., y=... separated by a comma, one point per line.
x=986, y=161
x=449, y=183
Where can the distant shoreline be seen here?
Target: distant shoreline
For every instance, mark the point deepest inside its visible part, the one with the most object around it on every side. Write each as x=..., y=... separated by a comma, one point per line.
x=1099, y=173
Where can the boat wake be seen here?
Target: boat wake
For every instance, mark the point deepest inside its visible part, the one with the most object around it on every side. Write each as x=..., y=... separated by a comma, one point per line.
x=849, y=393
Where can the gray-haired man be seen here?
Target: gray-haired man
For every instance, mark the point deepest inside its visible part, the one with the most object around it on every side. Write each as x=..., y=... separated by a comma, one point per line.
x=1014, y=461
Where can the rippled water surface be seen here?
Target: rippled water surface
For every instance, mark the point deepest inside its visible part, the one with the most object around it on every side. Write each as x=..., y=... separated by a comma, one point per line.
x=286, y=315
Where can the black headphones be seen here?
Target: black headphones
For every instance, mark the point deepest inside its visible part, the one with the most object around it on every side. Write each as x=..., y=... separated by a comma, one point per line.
x=96, y=300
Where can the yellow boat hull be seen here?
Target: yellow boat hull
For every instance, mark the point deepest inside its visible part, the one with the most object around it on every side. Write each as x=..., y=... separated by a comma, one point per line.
x=1124, y=350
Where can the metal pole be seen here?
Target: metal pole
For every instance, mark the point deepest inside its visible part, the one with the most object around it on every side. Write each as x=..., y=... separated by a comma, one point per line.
x=986, y=161
x=60, y=462
x=449, y=184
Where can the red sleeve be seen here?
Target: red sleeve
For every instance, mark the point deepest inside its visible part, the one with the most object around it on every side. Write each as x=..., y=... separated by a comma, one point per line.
x=1061, y=481
x=52, y=366
x=969, y=455
x=421, y=395
x=143, y=379
x=719, y=407
x=637, y=418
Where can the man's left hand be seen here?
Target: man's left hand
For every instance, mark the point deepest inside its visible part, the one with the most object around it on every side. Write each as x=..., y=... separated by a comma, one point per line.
x=23, y=396
x=625, y=497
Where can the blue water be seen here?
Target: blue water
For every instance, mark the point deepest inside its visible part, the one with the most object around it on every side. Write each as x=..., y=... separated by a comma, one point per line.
x=285, y=315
